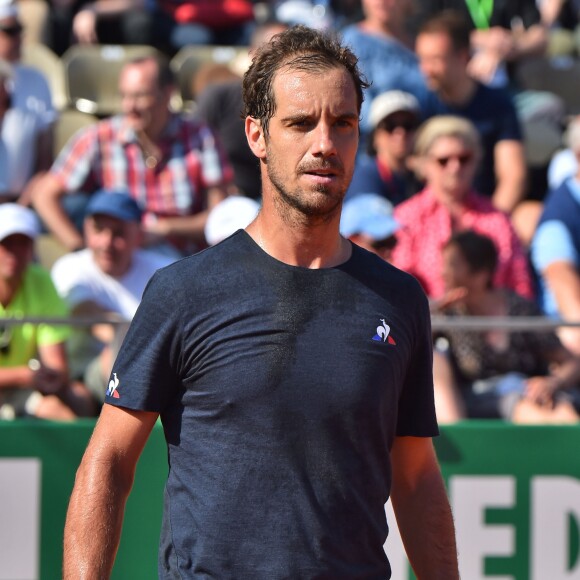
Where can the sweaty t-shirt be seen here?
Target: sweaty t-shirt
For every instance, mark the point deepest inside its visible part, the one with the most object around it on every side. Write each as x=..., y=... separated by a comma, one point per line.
x=281, y=390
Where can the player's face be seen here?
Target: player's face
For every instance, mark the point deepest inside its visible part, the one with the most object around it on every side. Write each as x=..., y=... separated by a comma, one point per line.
x=439, y=62
x=16, y=252
x=143, y=102
x=449, y=168
x=112, y=242
x=312, y=142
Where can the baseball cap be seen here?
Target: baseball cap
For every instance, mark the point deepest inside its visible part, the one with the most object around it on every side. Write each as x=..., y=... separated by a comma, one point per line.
x=370, y=214
x=115, y=204
x=391, y=102
x=8, y=9
x=17, y=219
x=228, y=216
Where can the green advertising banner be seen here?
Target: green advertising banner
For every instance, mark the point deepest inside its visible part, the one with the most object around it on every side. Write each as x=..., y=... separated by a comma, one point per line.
x=515, y=493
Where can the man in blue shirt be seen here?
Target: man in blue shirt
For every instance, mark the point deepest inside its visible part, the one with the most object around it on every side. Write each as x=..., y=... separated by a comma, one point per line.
x=444, y=53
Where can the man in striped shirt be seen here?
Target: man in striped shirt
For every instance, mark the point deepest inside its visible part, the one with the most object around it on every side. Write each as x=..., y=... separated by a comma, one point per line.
x=170, y=164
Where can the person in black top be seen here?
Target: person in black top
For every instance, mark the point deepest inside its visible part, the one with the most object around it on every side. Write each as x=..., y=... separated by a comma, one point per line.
x=292, y=371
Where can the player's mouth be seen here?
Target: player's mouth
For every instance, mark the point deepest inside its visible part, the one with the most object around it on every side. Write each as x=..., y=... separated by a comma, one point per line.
x=321, y=175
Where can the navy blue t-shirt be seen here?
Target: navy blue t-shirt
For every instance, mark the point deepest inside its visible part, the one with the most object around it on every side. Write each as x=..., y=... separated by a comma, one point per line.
x=281, y=390
x=494, y=115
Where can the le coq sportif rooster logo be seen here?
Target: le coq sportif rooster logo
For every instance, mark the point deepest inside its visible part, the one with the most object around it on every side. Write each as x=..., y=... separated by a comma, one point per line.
x=384, y=333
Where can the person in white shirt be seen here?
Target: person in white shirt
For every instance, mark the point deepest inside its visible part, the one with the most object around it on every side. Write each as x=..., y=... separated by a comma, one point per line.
x=108, y=277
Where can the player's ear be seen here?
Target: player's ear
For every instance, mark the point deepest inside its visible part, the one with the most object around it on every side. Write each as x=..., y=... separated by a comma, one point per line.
x=255, y=137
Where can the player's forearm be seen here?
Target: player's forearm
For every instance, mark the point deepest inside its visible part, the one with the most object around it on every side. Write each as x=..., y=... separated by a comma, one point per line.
x=93, y=525
x=427, y=530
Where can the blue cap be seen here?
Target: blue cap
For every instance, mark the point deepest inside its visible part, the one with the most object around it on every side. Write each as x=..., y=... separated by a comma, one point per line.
x=370, y=214
x=115, y=204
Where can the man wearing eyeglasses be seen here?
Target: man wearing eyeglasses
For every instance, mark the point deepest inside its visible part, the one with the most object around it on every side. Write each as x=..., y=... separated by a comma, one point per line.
x=31, y=112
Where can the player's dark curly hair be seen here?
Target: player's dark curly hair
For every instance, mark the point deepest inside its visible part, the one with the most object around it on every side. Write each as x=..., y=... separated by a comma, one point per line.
x=299, y=48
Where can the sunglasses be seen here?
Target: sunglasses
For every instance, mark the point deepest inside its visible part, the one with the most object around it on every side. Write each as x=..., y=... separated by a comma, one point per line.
x=390, y=125
x=12, y=30
x=463, y=159
x=386, y=244
x=5, y=338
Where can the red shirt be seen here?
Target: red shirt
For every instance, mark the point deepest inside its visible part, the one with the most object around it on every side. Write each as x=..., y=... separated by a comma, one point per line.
x=108, y=155
x=427, y=226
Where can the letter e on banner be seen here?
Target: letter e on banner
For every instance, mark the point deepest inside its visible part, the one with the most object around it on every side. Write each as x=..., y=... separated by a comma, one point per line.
x=555, y=504
x=471, y=496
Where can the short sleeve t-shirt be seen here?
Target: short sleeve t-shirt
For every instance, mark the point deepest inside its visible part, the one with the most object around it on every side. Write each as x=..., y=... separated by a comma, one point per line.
x=281, y=390
x=37, y=296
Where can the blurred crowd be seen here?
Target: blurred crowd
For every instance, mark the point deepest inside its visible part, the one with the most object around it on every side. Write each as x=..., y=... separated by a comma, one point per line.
x=467, y=177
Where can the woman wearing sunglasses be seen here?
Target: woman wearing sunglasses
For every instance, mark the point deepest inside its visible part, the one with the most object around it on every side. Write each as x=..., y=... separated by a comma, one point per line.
x=447, y=152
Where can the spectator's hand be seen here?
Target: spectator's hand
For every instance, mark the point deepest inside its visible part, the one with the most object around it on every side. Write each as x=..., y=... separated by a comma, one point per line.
x=46, y=380
x=453, y=296
x=483, y=66
x=85, y=26
x=540, y=390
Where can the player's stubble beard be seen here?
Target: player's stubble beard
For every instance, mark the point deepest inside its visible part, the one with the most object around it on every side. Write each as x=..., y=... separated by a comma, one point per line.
x=299, y=206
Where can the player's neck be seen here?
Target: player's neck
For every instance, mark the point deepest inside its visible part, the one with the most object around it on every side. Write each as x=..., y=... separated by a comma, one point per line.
x=306, y=245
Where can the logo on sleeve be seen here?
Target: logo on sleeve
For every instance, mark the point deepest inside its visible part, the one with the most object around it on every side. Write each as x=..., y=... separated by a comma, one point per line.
x=112, y=389
x=384, y=333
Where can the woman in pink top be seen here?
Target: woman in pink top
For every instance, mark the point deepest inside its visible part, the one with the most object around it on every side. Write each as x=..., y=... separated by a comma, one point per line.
x=447, y=152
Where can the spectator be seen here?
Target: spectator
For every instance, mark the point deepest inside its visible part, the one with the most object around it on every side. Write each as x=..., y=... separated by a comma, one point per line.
x=31, y=115
x=381, y=37
x=219, y=105
x=367, y=220
x=444, y=54
x=561, y=18
x=394, y=117
x=33, y=363
x=564, y=164
x=108, y=277
x=171, y=165
x=448, y=150
x=556, y=250
x=502, y=32
x=200, y=22
x=523, y=376
x=105, y=22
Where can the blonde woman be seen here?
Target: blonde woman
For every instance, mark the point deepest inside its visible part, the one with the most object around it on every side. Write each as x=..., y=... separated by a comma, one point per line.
x=447, y=152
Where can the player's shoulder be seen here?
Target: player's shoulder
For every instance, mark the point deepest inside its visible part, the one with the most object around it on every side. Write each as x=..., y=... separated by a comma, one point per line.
x=379, y=271
x=213, y=260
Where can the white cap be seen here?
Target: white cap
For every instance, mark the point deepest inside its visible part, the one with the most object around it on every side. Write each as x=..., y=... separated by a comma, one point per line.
x=8, y=9
x=17, y=219
x=391, y=102
x=228, y=216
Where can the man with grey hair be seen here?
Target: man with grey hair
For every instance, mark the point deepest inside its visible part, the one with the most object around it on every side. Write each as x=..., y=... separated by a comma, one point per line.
x=555, y=249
